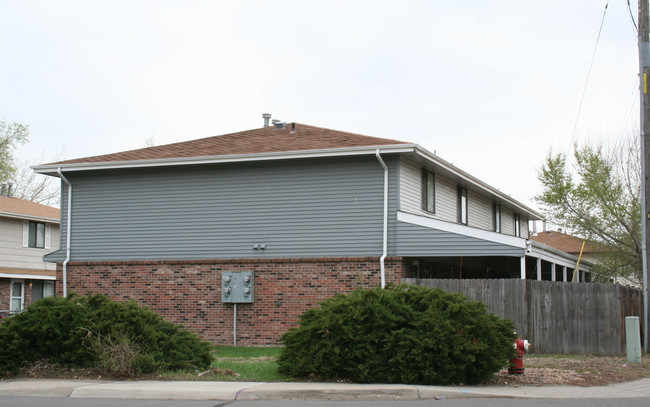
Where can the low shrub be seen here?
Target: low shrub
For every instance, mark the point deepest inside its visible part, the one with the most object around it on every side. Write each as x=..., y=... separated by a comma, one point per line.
x=402, y=334
x=118, y=338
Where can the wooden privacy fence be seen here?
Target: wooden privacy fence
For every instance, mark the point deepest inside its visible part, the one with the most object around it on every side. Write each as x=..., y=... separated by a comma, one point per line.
x=555, y=317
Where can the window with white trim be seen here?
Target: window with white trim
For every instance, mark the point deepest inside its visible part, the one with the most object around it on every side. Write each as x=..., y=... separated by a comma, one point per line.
x=17, y=300
x=36, y=235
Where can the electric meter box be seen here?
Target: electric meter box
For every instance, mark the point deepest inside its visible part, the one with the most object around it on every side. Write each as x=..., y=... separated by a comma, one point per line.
x=237, y=286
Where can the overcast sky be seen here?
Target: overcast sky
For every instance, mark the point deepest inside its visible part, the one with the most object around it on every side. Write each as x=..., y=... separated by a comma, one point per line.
x=488, y=85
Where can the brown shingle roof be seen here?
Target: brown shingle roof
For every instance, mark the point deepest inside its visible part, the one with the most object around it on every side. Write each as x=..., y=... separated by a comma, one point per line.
x=295, y=137
x=21, y=207
x=566, y=243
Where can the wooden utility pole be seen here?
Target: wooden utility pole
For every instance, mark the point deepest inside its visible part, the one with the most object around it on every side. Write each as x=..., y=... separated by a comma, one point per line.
x=644, y=72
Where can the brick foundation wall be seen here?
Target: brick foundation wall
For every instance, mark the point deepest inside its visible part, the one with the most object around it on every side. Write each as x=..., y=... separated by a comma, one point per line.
x=5, y=292
x=188, y=293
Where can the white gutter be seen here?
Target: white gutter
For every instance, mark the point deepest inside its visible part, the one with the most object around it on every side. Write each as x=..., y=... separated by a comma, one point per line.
x=51, y=169
x=422, y=152
x=67, y=236
x=385, y=236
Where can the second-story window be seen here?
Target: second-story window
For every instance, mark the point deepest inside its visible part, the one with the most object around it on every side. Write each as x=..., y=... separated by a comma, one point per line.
x=517, y=225
x=462, y=205
x=497, y=218
x=36, y=235
x=428, y=191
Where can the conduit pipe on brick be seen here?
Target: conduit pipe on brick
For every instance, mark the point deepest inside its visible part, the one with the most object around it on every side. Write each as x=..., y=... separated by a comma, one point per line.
x=385, y=234
x=67, y=234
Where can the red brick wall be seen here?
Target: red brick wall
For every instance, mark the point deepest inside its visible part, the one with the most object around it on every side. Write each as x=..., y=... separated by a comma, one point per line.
x=5, y=288
x=188, y=293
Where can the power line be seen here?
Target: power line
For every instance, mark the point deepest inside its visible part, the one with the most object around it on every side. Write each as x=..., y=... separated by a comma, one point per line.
x=629, y=8
x=632, y=102
x=584, y=91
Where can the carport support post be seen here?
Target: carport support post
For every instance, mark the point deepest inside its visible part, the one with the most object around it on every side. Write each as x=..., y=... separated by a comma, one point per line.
x=523, y=268
x=564, y=274
x=553, y=266
x=539, y=269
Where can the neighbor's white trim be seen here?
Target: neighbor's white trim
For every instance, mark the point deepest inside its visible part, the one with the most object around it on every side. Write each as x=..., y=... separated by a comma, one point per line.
x=461, y=230
x=27, y=276
x=29, y=217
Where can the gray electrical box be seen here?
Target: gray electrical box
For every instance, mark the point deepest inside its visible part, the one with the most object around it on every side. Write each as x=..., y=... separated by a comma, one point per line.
x=237, y=286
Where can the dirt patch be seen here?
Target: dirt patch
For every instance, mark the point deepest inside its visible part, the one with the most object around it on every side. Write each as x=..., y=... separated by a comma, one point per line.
x=565, y=370
x=559, y=370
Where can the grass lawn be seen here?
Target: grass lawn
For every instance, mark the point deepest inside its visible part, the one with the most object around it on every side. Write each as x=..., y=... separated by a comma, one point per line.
x=238, y=364
x=252, y=364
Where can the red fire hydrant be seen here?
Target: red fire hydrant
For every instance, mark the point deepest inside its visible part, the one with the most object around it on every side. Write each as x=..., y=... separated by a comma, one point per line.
x=517, y=363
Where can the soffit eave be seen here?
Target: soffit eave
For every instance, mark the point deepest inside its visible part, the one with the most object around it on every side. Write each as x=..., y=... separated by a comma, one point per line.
x=51, y=169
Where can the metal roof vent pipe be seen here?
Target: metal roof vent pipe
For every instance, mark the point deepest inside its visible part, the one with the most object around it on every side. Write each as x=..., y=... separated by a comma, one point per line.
x=10, y=189
x=4, y=187
x=266, y=117
x=279, y=124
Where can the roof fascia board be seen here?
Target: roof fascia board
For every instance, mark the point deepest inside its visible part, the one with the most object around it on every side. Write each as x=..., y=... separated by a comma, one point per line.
x=462, y=230
x=50, y=169
x=422, y=152
x=29, y=217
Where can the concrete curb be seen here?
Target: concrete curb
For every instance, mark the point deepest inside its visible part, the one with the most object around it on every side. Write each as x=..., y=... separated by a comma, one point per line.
x=329, y=391
x=161, y=390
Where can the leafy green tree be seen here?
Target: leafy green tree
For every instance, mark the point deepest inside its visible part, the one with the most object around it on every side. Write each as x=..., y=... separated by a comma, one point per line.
x=597, y=196
x=12, y=135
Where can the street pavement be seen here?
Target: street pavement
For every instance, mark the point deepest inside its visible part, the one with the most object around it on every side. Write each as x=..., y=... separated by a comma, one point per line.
x=166, y=390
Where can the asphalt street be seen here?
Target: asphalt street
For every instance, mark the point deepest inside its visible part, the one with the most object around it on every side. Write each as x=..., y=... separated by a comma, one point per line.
x=475, y=402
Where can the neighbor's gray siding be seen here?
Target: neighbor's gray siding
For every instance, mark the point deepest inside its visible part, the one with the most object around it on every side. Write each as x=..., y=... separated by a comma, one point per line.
x=298, y=208
x=415, y=240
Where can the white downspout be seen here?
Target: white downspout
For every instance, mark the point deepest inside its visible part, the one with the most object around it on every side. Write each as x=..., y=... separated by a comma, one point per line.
x=385, y=237
x=67, y=236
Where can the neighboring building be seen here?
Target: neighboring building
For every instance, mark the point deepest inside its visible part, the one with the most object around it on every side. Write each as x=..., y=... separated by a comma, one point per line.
x=311, y=212
x=28, y=231
x=573, y=245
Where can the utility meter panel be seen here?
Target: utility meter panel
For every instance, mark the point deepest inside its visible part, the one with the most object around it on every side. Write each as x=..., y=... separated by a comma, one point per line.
x=237, y=286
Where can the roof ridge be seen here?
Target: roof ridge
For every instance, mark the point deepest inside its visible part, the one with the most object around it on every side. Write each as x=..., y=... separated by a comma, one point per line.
x=271, y=139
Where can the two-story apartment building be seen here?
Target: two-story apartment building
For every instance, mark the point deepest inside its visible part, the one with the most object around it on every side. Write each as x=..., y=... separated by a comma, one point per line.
x=28, y=231
x=310, y=212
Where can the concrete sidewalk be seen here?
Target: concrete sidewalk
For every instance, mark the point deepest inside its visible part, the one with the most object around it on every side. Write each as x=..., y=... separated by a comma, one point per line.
x=161, y=390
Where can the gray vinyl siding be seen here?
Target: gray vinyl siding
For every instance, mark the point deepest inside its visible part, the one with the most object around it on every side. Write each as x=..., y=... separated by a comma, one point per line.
x=411, y=193
x=507, y=222
x=524, y=227
x=410, y=187
x=297, y=208
x=446, y=200
x=420, y=241
x=480, y=212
